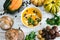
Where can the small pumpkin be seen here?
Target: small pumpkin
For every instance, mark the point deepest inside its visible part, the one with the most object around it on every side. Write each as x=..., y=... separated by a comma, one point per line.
x=12, y=6
x=37, y=2
x=52, y=6
x=14, y=34
x=6, y=22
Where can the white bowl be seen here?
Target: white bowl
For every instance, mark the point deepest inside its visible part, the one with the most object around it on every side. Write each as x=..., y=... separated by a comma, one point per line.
x=27, y=25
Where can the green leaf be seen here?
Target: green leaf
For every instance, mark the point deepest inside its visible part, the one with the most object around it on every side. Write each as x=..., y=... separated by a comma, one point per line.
x=27, y=37
x=54, y=21
x=30, y=21
x=31, y=36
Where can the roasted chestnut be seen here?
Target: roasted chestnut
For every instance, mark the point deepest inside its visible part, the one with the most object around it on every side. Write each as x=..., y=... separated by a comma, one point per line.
x=52, y=32
x=48, y=28
x=55, y=28
x=57, y=34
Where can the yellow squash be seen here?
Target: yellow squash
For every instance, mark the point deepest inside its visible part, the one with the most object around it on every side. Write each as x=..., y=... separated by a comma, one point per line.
x=52, y=6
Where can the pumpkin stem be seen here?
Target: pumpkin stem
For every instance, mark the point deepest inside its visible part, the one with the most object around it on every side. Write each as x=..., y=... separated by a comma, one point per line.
x=53, y=2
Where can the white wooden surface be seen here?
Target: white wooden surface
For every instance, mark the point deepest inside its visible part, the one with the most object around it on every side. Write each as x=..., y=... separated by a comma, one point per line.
x=18, y=23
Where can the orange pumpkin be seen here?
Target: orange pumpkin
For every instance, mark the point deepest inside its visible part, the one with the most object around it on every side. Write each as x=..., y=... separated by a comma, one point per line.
x=12, y=5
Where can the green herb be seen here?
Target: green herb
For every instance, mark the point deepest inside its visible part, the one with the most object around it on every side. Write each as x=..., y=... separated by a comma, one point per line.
x=38, y=20
x=54, y=21
x=30, y=21
x=31, y=36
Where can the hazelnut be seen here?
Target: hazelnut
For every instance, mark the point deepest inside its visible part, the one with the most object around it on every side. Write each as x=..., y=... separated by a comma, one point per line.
x=40, y=32
x=42, y=39
x=39, y=36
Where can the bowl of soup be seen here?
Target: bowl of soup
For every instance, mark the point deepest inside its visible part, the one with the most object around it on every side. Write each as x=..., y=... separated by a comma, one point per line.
x=31, y=17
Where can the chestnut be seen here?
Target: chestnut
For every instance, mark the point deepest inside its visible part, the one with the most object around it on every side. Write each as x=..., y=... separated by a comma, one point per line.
x=53, y=36
x=48, y=28
x=57, y=34
x=52, y=32
x=55, y=28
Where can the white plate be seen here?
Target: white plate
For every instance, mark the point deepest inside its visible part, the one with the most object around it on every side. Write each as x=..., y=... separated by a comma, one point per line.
x=18, y=23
